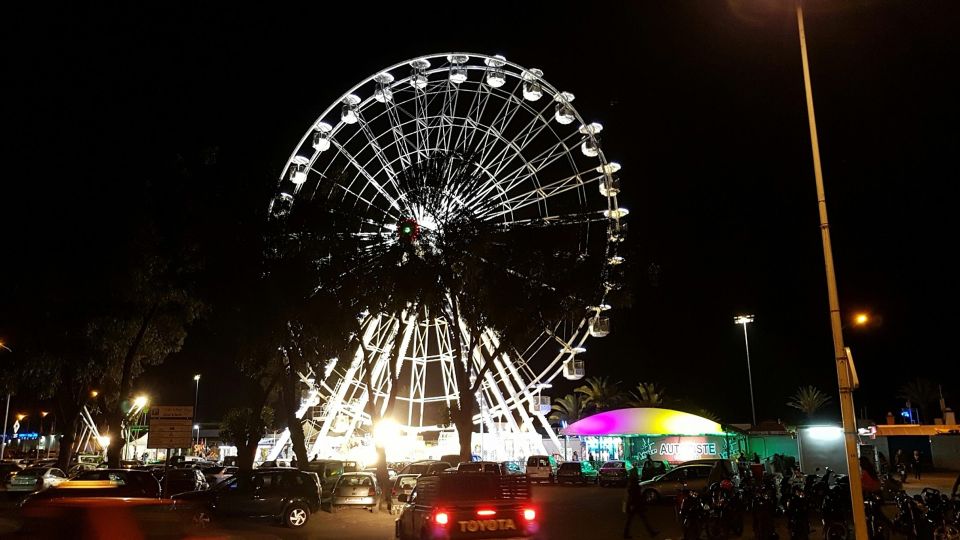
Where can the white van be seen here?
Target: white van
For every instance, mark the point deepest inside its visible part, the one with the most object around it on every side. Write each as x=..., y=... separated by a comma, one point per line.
x=541, y=468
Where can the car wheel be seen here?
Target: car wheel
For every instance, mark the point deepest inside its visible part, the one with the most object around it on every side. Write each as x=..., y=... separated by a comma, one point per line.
x=651, y=496
x=201, y=518
x=296, y=516
x=375, y=508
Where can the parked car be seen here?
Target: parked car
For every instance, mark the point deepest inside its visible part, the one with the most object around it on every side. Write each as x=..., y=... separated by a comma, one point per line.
x=215, y=475
x=513, y=467
x=455, y=458
x=139, y=483
x=7, y=470
x=131, y=464
x=669, y=485
x=182, y=480
x=614, y=472
x=426, y=467
x=722, y=469
x=391, y=473
x=481, y=466
x=402, y=485
x=328, y=470
x=284, y=494
x=541, y=468
x=357, y=489
x=78, y=468
x=35, y=479
x=577, y=472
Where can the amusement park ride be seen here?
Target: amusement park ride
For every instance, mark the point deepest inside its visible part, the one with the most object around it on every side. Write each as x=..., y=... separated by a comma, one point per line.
x=540, y=167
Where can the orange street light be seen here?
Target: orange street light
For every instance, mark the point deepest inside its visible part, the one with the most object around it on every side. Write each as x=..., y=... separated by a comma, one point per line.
x=94, y=393
x=20, y=417
x=43, y=414
x=861, y=319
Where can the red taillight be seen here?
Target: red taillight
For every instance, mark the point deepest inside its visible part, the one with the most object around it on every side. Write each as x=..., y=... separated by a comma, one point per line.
x=529, y=514
x=441, y=518
x=486, y=512
x=372, y=492
x=393, y=492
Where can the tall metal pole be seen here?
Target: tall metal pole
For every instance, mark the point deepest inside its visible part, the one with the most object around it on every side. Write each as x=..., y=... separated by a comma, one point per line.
x=196, y=397
x=746, y=344
x=6, y=414
x=844, y=376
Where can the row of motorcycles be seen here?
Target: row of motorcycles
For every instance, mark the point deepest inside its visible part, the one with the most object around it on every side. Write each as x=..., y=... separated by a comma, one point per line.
x=720, y=512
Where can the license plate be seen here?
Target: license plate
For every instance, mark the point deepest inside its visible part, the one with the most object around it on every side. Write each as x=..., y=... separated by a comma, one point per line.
x=354, y=499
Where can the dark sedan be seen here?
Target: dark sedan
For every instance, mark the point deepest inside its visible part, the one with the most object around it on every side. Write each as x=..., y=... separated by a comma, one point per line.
x=576, y=472
x=182, y=480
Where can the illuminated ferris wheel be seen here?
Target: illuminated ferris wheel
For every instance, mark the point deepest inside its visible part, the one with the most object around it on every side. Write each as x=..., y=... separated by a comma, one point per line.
x=534, y=169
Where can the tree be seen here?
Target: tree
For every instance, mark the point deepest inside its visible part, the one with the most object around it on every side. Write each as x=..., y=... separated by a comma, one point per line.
x=808, y=399
x=244, y=427
x=569, y=409
x=141, y=324
x=646, y=395
x=600, y=393
x=921, y=393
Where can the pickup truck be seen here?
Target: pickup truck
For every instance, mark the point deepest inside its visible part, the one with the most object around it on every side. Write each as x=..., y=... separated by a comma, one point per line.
x=460, y=505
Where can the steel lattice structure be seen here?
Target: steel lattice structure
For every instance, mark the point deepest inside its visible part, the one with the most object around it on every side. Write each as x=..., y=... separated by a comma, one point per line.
x=539, y=166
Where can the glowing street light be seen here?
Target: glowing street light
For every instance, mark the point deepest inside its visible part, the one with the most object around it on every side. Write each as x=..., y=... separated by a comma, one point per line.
x=94, y=393
x=745, y=320
x=196, y=395
x=140, y=402
x=861, y=319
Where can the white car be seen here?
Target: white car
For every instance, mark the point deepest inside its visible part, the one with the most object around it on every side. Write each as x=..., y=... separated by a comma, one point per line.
x=36, y=479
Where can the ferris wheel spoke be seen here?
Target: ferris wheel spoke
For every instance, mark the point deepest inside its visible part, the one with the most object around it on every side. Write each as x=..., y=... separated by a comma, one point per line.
x=377, y=149
x=579, y=218
x=366, y=174
x=534, y=164
x=400, y=139
x=478, y=105
x=523, y=134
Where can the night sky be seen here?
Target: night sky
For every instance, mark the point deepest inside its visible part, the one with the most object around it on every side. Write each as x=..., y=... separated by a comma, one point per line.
x=702, y=103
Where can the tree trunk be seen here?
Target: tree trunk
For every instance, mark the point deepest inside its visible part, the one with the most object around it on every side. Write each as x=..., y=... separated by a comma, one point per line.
x=116, y=416
x=463, y=420
x=291, y=403
x=69, y=413
x=246, y=453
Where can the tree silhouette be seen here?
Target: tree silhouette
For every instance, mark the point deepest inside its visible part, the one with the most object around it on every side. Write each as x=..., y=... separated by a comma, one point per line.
x=922, y=394
x=569, y=409
x=600, y=393
x=647, y=395
x=808, y=399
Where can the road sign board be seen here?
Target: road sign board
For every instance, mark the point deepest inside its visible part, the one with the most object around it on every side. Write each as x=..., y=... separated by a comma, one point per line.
x=171, y=411
x=157, y=440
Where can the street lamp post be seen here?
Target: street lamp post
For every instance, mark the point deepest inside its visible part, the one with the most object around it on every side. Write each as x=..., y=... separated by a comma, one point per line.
x=745, y=320
x=43, y=414
x=844, y=372
x=6, y=414
x=196, y=397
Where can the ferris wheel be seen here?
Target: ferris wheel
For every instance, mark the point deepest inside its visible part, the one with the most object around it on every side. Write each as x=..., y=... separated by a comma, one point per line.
x=535, y=169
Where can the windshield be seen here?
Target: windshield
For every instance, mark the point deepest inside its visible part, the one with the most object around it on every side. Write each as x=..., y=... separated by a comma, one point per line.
x=468, y=488
x=417, y=469
x=30, y=473
x=355, y=480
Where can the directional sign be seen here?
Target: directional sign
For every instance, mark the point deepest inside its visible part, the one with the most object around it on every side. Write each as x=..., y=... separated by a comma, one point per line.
x=170, y=427
x=167, y=411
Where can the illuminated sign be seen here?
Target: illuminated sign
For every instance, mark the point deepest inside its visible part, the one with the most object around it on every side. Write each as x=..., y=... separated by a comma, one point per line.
x=26, y=436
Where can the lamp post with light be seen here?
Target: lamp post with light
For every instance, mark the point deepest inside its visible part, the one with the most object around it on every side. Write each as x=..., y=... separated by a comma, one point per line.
x=6, y=413
x=845, y=374
x=745, y=320
x=43, y=414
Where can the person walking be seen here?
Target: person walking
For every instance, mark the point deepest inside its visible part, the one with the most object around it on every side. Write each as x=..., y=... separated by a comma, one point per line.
x=900, y=462
x=916, y=464
x=635, y=505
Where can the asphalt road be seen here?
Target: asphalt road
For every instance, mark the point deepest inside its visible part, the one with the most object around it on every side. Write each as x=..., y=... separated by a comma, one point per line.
x=565, y=513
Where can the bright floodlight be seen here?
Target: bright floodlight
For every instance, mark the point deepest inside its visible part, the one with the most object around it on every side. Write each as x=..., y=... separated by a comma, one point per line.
x=616, y=213
x=743, y=319
x=386, y=432
x=196, y=426
x=532, y=89
x=196, y=377
x=140, y=401
x=825, y=433
x=861, y=319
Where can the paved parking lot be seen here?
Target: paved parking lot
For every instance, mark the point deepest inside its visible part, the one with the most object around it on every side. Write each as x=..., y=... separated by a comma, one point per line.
x=565, y=512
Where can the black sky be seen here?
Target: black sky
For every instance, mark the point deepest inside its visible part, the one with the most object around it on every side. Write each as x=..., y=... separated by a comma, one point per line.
x=702, y=103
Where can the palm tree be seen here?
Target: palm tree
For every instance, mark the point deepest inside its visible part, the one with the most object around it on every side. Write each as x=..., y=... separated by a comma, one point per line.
x=567, y=409
x=921, y=393
x=600, y=393
x=647, y=395
x=808, y=399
